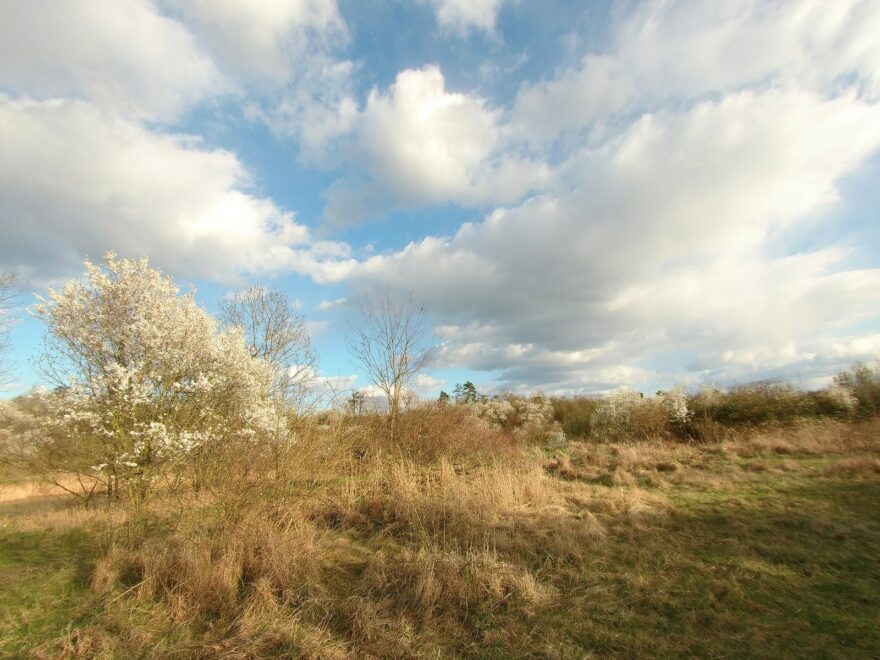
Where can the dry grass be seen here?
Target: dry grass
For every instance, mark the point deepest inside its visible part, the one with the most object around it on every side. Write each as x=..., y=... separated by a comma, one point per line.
x=341, y=546
x=856, y=467
x=56, y=485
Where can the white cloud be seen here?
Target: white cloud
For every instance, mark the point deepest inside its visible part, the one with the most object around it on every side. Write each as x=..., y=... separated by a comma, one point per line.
x=316, y=109
x=76, y=181
x=122, y=55
x=275, y=56
x=463, y=16
x=426, y=384
x=675, y=51
x=283, y=54
x=324, y=305
x=336, y=384
x=421, y=144
x=660, y=240
x=267, y=39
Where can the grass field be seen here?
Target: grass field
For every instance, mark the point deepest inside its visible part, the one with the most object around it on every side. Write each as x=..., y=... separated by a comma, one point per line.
x=763, y=546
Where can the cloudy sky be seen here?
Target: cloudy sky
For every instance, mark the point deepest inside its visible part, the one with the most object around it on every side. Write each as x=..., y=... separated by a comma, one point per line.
x=584, y=194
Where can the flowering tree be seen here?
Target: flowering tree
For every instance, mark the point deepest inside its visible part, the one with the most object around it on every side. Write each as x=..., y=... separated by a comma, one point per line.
x=144, y=378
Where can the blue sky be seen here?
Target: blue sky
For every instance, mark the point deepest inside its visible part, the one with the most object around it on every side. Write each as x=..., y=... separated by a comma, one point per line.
x=584, y=195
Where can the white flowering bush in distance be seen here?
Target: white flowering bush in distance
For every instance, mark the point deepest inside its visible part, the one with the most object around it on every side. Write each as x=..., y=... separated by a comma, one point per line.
x=841, y=397
x=526, y=418
x=627, y=414
x=494, y=411
x=613, y=415
x=675, y=401
x=143, y=376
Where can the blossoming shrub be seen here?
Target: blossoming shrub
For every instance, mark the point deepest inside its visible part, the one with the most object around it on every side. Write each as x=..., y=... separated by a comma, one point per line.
x=627, y=414
x=526, y=419
x=863, y=385
x=145, y=379
x=836, y=401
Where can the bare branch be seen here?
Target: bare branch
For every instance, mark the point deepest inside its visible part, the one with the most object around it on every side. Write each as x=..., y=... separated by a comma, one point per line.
x=276, y=331
x=391, y=344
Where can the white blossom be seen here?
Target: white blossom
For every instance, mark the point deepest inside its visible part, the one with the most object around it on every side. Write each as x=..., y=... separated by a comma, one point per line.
x=842, y=397
x=147, y=372
x=676, y=402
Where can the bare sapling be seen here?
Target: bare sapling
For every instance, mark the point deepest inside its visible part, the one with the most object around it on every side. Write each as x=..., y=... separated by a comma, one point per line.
x=391, y=343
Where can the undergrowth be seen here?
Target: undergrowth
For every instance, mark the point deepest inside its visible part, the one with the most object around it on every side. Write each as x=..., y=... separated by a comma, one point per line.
x=764, y=543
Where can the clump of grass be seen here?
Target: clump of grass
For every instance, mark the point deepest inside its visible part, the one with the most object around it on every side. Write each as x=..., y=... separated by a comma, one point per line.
x=514, y=509
x=854, y=467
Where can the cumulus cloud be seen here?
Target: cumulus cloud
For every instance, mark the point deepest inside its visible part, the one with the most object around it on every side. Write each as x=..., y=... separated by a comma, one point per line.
x=123, y=55
x=267, y=39
x=426, y=384
x=464, y=16
x=678, y=51
x=276, y=56
x=76, y=181
x=421, y=144
x=85, y=167
x=658, y=241
x=283, y=55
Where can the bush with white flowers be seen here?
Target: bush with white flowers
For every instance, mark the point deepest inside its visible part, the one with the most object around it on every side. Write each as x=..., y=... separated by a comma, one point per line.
x=841, y=397
x=675, y=401
x=627, y=414
x=494, y=411
x=513, y=412
x=144, y=376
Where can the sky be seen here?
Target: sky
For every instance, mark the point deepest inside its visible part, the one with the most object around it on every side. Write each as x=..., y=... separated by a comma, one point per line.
x=584, y=195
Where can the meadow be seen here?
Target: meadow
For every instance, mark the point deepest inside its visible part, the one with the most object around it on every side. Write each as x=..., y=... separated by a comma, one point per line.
x=463, y=538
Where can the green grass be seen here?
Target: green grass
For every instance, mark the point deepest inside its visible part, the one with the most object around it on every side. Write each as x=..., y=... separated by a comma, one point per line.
x=782, y=562
x=44, y=583
x=769, y=569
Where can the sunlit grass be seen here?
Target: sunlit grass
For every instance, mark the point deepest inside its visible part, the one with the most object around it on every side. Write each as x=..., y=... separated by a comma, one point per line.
x=752, y=548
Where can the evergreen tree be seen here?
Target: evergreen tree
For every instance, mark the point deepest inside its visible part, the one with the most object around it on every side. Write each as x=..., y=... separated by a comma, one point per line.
x=469, y=392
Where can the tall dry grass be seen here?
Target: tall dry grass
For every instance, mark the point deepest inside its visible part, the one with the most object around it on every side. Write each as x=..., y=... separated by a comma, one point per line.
x=335, y=541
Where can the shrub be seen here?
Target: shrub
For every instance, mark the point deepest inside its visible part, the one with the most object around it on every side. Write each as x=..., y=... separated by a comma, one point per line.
x=511, y=412
x=863, y=383
x=428, y=433
x=145, y=378
x=574, y=415
x=626, y=414
x=769, y=403
x=753, y=404
x=834, y=401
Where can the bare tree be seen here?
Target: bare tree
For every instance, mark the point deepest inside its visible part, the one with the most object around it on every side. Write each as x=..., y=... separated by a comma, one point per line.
x=8, y=295
x=392, y=345
x=276, y=331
